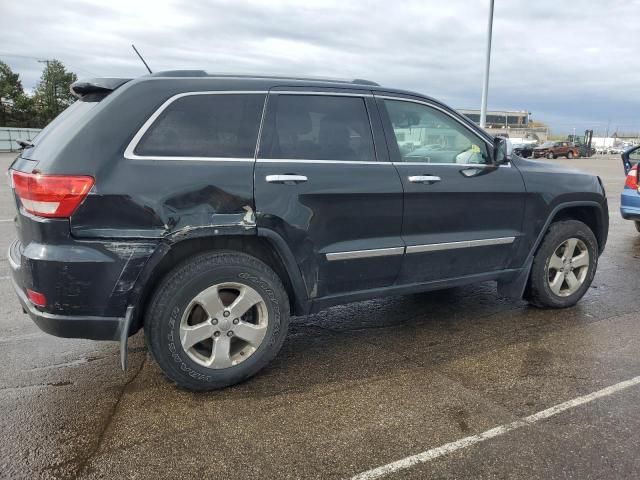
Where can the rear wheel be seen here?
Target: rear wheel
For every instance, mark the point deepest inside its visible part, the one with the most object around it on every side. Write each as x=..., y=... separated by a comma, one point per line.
x=216, y=320
x=564, y=265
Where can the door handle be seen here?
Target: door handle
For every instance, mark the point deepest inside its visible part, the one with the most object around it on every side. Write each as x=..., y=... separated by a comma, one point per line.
x=424, y=179
x=286, y=179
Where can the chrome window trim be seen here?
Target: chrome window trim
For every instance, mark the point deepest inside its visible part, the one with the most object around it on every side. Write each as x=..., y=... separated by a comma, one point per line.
x=195, y=159
x=363, y=162
x=466, y=165
x=129, y=151
x=130, y=155
x=375, y=252
x=294, y=160
x=434, y=247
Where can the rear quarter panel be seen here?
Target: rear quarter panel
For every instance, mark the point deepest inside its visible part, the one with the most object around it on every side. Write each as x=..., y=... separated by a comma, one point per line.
x=150, y=198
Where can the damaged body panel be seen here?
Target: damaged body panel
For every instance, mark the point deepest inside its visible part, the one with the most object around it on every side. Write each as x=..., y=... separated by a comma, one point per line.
x=344, y=191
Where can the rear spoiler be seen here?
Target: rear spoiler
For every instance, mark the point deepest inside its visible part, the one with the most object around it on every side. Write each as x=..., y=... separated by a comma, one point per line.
x=96, y=86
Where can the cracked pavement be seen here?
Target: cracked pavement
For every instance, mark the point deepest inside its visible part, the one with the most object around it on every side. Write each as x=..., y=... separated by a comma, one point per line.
x=354, y=387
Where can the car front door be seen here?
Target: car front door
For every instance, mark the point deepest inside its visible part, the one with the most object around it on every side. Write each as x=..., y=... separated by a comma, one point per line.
x=462, y=213
x=325, y=185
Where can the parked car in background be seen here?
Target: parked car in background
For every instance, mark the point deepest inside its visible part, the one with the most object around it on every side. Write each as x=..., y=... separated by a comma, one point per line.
x=602, y=150
x=617, y=150
x=556, y=149
x=630, y=197
x=207, y=209
x=524, y=150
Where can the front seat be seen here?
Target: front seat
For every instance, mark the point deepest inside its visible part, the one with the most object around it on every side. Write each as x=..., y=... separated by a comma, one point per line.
x=334, y=139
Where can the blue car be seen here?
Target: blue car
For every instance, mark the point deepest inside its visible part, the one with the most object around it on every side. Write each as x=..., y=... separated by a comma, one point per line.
x=630, y=197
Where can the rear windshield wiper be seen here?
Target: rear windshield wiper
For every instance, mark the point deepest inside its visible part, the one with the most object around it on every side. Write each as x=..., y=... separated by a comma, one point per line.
x=25, y=143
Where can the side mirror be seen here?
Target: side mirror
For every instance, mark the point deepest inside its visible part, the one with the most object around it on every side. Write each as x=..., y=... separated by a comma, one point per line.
x=502, y=150
x=629, y=157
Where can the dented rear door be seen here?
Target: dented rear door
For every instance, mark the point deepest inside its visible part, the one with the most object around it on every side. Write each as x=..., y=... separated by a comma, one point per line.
x=324, y=185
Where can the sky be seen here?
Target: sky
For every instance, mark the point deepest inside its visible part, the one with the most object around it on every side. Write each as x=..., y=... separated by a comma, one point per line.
x=572, y=64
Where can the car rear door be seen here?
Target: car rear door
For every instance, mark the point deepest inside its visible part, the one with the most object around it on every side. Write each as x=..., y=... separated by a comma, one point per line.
x=324, y=184
x=462, y=214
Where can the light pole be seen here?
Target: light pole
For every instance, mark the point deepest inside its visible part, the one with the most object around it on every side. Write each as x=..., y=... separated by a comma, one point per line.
x=485, y=83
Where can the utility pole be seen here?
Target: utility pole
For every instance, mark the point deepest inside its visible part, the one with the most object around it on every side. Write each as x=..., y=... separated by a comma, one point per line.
x=485, y=83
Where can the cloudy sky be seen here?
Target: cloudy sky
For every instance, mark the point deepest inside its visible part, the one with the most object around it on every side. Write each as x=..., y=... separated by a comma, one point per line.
x=573, y=64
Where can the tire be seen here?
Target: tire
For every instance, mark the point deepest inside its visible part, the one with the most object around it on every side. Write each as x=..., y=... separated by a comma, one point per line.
x=550, y=155
x=637, y=223
x=541, y=293
x=570, y=155
x=216, y=280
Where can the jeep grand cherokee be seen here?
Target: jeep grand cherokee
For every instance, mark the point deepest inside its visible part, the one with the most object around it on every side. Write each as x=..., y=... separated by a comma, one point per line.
x=206, y=209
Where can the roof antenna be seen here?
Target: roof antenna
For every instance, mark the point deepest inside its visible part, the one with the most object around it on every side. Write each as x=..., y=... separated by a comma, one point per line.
x=138, y=53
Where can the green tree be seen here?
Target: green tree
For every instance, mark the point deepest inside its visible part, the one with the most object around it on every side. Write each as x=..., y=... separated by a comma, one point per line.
x=16, y=108
x=52, y=94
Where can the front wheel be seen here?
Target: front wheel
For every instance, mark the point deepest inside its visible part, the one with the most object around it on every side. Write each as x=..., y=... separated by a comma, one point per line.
x=216, y=320
x=564, y=265
x=637, y=225
x=550, y=155
x=569, y=154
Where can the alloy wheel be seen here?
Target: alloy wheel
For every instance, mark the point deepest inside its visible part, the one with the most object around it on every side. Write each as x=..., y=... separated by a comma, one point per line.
x=567, y=267
x=224, y=325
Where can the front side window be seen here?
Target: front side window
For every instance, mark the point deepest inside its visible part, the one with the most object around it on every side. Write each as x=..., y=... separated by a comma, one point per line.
x=424, y=134
x=210, y=125
x=318, y=127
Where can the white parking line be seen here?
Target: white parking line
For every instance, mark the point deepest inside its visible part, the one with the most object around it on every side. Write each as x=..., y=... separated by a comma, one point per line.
x=5, y=277
x=434, y=453
x=6, y=220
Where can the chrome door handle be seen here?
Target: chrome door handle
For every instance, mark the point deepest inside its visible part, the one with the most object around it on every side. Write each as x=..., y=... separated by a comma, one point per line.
x=424, y=179
x=286, y=179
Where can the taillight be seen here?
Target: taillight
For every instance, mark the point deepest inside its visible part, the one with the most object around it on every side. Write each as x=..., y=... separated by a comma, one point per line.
x=632, y=178
x=52, y=196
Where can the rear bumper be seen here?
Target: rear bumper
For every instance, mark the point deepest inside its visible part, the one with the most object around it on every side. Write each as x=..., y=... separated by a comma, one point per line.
x=94, y=328
x=630, y=204
x=88, y=285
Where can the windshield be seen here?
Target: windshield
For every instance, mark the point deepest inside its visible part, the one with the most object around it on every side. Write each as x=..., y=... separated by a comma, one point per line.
x=548, y=144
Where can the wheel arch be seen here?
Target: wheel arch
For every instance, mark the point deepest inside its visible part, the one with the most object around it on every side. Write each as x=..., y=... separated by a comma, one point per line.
x=263, y=246
x=588, y=212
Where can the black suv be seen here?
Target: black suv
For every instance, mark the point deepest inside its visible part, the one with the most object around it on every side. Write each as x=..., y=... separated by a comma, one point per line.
x=207, y=209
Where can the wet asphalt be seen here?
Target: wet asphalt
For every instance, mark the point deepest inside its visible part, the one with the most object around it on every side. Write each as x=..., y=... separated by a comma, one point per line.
x=354, y=387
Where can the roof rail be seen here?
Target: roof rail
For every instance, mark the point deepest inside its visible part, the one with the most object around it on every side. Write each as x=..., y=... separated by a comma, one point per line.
x=179, y=73
x=202, y=73
x=362, y=81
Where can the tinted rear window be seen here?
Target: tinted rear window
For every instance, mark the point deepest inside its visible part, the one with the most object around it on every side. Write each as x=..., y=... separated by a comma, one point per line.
x=58, y=133
x=205, y=126
x=318, y=127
